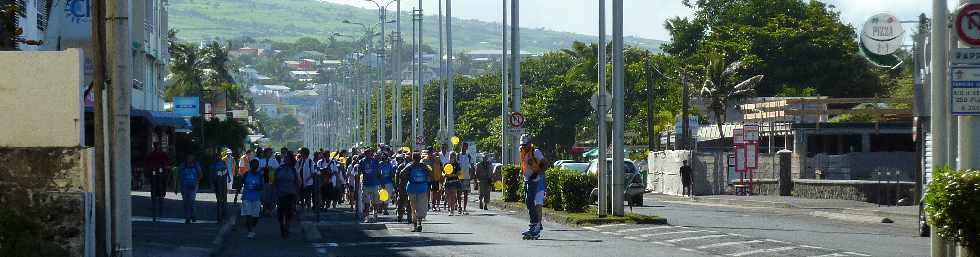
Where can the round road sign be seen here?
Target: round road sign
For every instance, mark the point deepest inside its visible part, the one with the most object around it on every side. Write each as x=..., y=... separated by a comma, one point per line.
x=882, y=34
x=967, y=24
x=419, y=140
x=516, y=119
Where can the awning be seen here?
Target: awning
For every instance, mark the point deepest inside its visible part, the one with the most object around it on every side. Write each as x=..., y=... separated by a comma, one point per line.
x=163, y=119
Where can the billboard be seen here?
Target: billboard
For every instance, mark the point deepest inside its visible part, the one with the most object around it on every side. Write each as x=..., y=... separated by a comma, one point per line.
x=187, y=106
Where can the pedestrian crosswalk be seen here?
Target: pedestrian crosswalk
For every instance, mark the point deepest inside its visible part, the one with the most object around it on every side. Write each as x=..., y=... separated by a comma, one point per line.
x=713, y=242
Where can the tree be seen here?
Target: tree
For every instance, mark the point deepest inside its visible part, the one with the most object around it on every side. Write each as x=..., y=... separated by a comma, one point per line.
x=10, y=13
x=792, y=42
x=719, y=86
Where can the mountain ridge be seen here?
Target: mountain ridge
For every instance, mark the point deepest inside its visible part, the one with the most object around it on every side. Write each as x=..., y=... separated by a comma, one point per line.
x=287, y=20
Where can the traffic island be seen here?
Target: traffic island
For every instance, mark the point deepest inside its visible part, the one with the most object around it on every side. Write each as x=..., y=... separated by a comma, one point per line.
x=587, y=218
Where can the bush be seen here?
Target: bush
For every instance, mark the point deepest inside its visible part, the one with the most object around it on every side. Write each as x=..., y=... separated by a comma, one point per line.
x=513, y=183
x=953, y=204
x=576, y=188
x=553, y=188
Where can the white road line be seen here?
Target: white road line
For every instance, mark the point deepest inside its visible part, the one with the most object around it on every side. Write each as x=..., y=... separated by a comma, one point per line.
x=776, y=241
x=832, y=255
x=770, y=250
x=620, y=232
x=728, y=243
x=694, y=238
x=858, y=254
x=611, y=225
x=814, y=247
x=671, y=233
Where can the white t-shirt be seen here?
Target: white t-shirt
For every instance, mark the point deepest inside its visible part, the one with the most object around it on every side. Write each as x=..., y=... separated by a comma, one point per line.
x=465, y=163
x=309, y=172
x=271, y=163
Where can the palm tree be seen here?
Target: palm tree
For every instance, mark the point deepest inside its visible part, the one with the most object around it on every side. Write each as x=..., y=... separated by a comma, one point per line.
x=586, y=56
x=10, y=13
x=719, y=86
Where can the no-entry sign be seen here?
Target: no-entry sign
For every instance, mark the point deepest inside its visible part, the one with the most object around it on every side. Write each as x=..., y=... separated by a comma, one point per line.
x=967, y=24
x=517, y=120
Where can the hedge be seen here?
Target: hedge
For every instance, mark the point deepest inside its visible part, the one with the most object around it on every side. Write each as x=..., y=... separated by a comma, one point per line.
x=513, y=183
x=566, y=190
x=953, y=204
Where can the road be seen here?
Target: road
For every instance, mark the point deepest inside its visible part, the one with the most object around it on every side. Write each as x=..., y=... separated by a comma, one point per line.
x=696, y=229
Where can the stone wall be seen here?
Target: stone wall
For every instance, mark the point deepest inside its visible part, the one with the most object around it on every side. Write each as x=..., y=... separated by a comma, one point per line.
x=43, y=190
x=855, y=190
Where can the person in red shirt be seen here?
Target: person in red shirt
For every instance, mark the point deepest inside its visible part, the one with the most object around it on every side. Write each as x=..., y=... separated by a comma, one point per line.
x=158, y=165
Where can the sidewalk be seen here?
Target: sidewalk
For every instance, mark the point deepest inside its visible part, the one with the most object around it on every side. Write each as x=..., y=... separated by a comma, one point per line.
x=820, y=207
x=169, y=236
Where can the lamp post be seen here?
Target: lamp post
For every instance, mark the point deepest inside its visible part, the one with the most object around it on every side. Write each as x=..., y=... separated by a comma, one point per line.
x=382, y=13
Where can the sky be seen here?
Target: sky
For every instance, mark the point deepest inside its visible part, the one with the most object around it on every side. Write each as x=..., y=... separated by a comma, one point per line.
x=642, y=18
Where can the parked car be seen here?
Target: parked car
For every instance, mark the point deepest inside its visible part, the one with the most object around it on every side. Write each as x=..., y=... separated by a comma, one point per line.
x=575, y=166
x=634, y=179
x=559, y=162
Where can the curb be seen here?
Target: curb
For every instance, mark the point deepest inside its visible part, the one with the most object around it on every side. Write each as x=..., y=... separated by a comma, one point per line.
x=879, y=213
x=851, y=217
x=750, y=203
x=219, y=240
x=550, y=216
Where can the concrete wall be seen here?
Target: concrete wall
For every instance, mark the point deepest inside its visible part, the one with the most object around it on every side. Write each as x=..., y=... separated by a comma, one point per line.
x=40, y=95
x=855, y=190
x=711, y=172
x=862, y=166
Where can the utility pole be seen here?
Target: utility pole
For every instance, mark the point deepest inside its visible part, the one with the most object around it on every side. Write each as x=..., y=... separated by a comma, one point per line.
x=939, y=104
x=968, y=143
x=415, y=81
x=504, y=157
x=618, y=108
x=603, y=107
x=421, y=84
x=651, y=114
x=515, y=51
x=381, y=78
x=397, y=108
x=118, y=46
x=442, y=87
x=450, y=74
x=99, y=118
x=685, y=139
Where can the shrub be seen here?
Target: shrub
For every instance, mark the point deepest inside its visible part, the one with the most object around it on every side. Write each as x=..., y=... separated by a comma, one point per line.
x=576, y=188
x=513, y=183
x=554, y=188
x=953, y=204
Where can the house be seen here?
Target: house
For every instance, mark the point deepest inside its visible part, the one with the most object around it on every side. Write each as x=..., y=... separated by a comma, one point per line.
x=276, y=90
x=304, y=76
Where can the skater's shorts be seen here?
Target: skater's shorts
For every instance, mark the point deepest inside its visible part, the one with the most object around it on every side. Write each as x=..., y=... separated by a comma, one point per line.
x=538, y=199
x=251, y=208
x=371, y=193
x=466, y=185
x=420, y=201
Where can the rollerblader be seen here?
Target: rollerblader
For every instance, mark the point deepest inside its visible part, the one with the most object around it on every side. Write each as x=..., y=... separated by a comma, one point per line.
x=532, y=167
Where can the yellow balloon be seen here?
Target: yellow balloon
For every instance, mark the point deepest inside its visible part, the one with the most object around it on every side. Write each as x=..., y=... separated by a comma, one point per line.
x=383, y=194
x=406, y=149
x=448, y=169
x=455, y=140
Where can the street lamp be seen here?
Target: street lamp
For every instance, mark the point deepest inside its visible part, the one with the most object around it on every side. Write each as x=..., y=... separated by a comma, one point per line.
x=382, y=12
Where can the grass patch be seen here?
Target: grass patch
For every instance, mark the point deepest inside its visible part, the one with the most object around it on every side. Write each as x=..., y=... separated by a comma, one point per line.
x=587, y=218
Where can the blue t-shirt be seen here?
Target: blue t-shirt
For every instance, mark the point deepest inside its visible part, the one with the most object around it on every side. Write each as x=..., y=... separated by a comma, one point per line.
x=188, y=173
x=286, y=181
x=219, y=166
x=252, y=183
x=418, y=179
x=371, y=169
x=387, y=173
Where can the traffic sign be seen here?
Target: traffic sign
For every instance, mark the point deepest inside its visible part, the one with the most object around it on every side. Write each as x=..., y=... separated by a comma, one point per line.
x=964, y=56
x=751, y=132
x=967, y=24
x=419, y=140
x=882, y=34
x=594, y=101
x=965, y=91
x=517, y=120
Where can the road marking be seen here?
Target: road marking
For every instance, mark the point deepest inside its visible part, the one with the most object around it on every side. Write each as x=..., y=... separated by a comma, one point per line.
x=620, y=232
x=814, y=247
x=728, y=243
x=671, y=233
x=694, y=238
x=169, y=220
x=596, y=228
x=858, y=254
x=832, y=255
x=770, y=250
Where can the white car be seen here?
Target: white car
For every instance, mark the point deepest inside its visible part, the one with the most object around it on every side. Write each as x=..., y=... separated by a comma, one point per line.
x=575, y=166
x=559, y=162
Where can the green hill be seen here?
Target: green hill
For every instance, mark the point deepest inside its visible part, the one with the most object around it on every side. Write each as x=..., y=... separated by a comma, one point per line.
x=287, y=20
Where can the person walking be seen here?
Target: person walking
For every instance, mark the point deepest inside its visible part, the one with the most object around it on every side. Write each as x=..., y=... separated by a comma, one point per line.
x=687, y=180
x=220, y=178
x=401, y=187
x=158, y=163
x=418, y=176
x=370, y=171
x=325, y=177
x=251, y=188
x=190, y=176
x=388, y=169
x=532, y=167
x=484, y=173
x=432, y=160
x=268, y=166
x=308, y=175
x=466, y=167
x=287, y=185
x=453, y=185
x=243, y=168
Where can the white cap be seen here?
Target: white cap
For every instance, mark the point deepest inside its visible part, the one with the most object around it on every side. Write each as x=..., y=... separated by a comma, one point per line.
x=525, y=139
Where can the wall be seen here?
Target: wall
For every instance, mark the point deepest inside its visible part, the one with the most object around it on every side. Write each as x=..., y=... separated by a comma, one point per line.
x=711, y=172
x=855, y=190
x=40, y=95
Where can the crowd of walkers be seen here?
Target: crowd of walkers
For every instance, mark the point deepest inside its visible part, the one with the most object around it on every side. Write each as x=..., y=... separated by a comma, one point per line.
x=373, y=181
